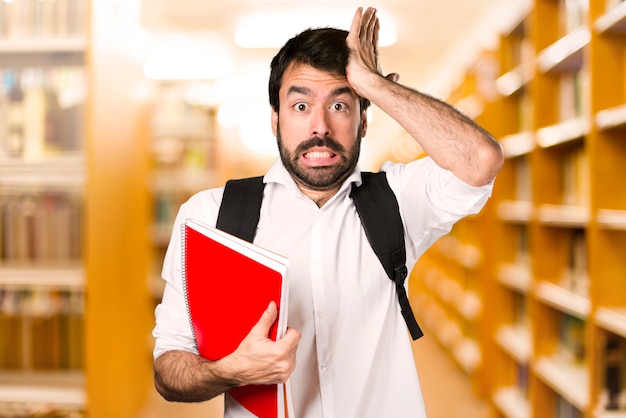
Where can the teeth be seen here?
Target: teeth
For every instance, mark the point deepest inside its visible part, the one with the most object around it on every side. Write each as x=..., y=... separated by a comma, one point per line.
x=319, y=154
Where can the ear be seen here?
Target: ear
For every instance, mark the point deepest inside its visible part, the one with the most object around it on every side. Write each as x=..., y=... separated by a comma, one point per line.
x=274, y=122
x=363, y=123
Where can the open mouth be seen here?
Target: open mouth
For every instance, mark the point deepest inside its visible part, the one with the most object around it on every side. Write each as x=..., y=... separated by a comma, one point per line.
x=319, y=157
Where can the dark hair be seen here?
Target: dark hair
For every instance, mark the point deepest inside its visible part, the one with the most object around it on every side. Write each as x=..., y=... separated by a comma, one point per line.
x=323, y=48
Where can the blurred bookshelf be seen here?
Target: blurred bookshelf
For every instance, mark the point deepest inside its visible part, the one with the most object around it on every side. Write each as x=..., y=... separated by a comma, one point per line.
x=42, y=178
x=551, y=240
x=183, y=154
x=189, y=151
x=53, y=177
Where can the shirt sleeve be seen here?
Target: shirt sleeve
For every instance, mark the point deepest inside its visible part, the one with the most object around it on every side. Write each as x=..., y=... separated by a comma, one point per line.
x=431, y=201
x=172, y=329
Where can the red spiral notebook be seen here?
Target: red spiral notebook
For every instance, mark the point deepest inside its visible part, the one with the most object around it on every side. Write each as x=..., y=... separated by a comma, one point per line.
x=228, y=283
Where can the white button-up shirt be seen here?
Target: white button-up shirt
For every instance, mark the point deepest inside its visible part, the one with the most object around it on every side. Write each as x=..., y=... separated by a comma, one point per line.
x=354, y=358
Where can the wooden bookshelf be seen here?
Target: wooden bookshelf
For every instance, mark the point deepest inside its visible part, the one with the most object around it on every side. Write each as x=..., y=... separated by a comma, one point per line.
x=23, y=394
x=608, y=101
x=555, y=228
x=446, y=286
x=75, y=314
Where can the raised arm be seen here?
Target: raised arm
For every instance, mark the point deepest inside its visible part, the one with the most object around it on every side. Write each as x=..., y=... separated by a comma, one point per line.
x=181, y=376
x=453, y=140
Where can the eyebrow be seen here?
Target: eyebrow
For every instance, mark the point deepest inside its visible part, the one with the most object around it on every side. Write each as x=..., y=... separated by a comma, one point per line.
x=308, y=92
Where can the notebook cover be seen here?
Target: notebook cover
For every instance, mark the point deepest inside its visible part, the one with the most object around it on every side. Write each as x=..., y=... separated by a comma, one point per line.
x=228, y=284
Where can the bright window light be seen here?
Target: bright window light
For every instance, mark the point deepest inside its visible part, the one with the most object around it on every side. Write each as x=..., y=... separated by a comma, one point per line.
x=180, y=58
x=228, y=115
x=255, y=128
x=272, y=30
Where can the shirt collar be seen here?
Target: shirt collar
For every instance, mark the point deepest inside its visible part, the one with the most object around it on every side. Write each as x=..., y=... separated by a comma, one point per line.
x=277, y=173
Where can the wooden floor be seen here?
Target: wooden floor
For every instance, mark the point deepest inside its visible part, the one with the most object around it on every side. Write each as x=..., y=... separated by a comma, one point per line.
x=447, y=393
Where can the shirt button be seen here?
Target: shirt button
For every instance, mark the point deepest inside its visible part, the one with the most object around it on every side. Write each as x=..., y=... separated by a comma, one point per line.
x=324, y=367
x=321, y=314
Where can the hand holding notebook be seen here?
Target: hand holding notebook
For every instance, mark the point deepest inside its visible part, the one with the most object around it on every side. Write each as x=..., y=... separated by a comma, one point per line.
x=260, y=361
x=229, y=284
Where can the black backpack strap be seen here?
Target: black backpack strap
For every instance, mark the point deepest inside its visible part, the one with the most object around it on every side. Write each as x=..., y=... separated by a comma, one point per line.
x=380, y=216
x=241, y=207
x=378, y=209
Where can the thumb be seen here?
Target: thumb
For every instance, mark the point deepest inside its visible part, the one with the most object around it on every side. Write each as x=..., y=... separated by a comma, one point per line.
x=393, y=77
x=268, y=317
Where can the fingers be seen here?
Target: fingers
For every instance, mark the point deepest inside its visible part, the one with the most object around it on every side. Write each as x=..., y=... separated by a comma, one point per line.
x=363, y=38
x=289, y=344
x=268, y=317
x=395, y=77
x=365, y=26
x=283, y=357
x=370, y=25
x=375, y=35
x=258, y=359
x=370, y=41
x=355, y=27
x=291, y=338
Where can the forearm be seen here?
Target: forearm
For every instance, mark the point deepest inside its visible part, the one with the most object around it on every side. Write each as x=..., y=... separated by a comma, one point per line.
x=453, y=140
x=180, y=376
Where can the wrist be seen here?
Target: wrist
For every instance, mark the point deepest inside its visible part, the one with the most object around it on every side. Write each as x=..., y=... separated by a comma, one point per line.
x=375, y=87
x=224, y=372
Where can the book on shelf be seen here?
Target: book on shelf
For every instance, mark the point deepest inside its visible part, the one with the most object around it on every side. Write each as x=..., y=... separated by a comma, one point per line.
x=520, y=307
x=165, y=205
x=11, y=355
x=27, y=19
x=43, y=328
x=228, y=284
x=565, y=409
x=573, y=14
x=573, y=97
x=76, y=12
x=575, y=185
x=15, y=118
x=40, y=227
x=4, y=20
x=522, y=254
x=42, y=109
x=572, y=339
x=517, y=46
x=522, y=374
x=525, y=109
x=72, y=332
x=523, y=183
x=45, y=342
x=613, y=373
x=34, y=131
x=513, y=56
x=576, y=276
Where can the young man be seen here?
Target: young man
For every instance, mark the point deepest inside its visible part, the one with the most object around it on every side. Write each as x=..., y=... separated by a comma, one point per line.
x=347, y=352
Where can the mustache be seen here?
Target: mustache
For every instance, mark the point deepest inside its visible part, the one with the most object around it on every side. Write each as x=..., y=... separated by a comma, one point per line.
x=318, y=141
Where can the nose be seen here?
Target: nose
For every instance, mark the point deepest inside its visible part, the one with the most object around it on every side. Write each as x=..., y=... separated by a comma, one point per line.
x=320, y=125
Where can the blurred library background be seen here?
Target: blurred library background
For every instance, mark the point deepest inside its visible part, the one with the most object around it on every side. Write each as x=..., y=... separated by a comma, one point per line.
x=112, y=113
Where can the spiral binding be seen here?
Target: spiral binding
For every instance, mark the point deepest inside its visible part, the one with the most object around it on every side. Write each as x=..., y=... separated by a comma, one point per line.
x=183, y=233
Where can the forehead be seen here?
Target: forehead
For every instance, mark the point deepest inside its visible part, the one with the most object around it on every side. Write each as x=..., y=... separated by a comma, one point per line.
x=314, y=80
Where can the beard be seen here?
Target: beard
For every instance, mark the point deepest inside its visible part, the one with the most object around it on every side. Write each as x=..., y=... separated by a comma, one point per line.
x=320, y=178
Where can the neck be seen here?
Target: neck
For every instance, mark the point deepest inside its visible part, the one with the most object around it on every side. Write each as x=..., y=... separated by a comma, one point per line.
x=320, y=197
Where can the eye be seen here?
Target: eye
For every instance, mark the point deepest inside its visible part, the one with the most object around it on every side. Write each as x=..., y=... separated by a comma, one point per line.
x=339, y=106
x=300, y=107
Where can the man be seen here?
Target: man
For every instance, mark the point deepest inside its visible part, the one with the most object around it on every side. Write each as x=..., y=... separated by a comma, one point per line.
x=346, y=352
